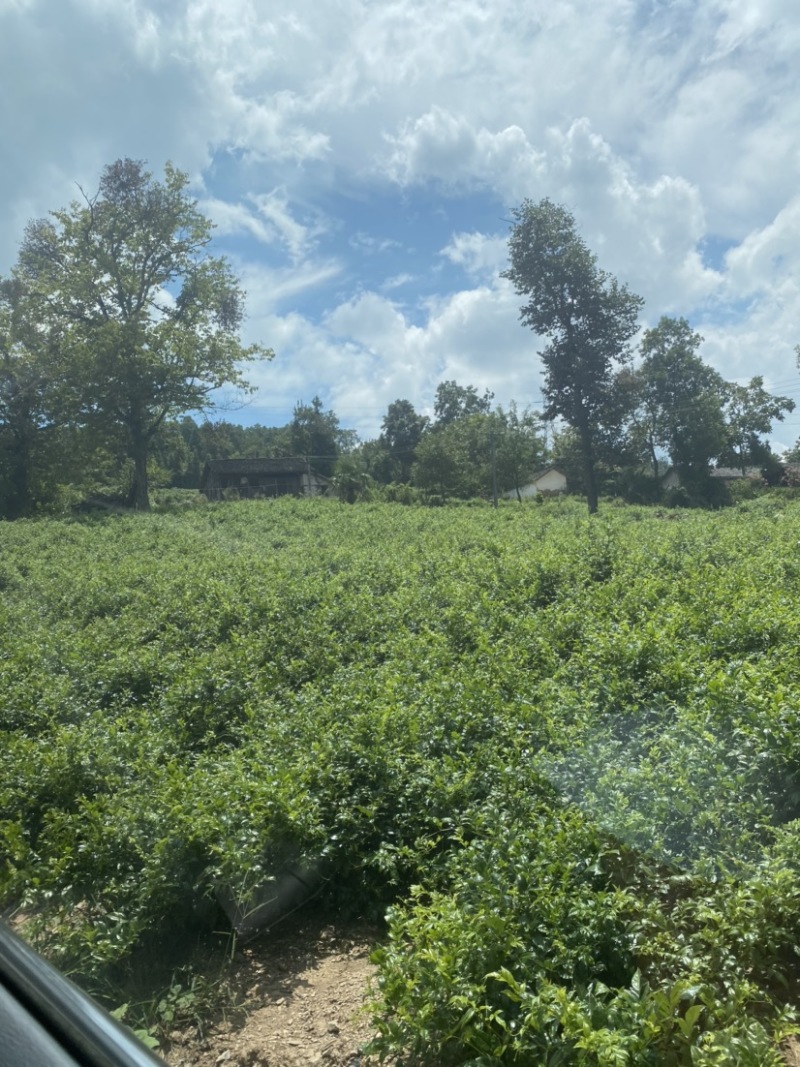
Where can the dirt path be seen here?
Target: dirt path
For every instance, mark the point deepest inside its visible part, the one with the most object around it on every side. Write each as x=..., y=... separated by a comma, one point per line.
x=302, y=991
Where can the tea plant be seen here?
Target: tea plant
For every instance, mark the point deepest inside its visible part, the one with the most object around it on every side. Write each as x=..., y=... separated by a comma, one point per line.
x=564, y=754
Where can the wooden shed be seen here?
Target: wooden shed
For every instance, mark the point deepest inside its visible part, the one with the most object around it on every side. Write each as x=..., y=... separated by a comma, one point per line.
x=261, y=478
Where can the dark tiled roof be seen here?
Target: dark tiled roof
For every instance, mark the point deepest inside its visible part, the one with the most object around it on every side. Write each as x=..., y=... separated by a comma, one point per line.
x=733, y=473
x=251, y=465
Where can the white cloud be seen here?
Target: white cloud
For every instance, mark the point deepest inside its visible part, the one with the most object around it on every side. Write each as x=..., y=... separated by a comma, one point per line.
x=447, y=147
x=666, y=128
x=477, y=253
x=366, y=243
x=768, y=255
x=272, y=222
x=648, y=233
x=371, y=320
x=230, y=218
x=397, y=281
x=770, y=26
x=274, y=209
x=472, y=336
x=270, y=288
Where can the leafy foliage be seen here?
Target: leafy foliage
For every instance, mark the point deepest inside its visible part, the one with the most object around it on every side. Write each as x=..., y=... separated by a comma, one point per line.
x=454, y=401
x=564, y=753
x=135, y=321
x=681, y=400
x=586, y=315
x=750, y=412
x=402, y=430
x=316, y=434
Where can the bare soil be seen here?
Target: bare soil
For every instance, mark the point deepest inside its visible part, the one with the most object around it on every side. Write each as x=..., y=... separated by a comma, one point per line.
x=300, y=994
x=302, y=991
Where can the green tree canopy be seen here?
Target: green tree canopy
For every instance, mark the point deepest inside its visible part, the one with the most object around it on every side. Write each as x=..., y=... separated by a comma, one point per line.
x=470, y=455
x=401, y=432
x=519, y=446
x=586, y=315
x=28, y=430
x=442, y=462
x=318, y=435
x=454, y=401
x=681, y=400
x=144, y=322
x=749, y=413
x=351, y=480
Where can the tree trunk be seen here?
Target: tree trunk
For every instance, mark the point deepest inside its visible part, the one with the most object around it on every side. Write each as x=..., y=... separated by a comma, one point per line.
x=589, y=474
x=139, y=494
x=20, y=458
x=653, y=458
x=591, y=487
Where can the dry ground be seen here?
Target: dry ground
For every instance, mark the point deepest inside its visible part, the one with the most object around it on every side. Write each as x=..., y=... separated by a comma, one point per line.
x=303, y=989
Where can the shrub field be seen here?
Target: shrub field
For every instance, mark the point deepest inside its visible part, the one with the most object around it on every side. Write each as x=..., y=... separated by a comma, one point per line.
x=562, y=756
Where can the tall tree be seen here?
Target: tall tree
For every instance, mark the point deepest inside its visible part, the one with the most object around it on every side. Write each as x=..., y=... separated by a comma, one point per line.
x=351, y=480
x=440, y=463
x=750, y=412
x=318, y=435
x=28, y=430
x=402, y=431
x=682, y=400
x=519, y=446
x=147, y=320
x=454, y=401
x=458, y=459
x=586, y=315
x=378, y=461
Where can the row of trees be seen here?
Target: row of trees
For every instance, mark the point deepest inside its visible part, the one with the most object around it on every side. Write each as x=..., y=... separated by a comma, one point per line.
x=183, y=446
x=460, y=451
x=117, y=321
x=672, y=408
x=467, y=449
x=622, y=416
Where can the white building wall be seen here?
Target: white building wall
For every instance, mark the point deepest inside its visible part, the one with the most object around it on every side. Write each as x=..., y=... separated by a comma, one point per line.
x=550, y=482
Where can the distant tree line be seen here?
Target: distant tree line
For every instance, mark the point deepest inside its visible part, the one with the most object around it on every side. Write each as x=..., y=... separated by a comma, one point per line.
x=623, y=418
x=465, y=450
x=118, y=326
x=671, y=410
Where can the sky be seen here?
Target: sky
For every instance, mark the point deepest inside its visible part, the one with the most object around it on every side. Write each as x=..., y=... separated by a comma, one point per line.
x=361, y=160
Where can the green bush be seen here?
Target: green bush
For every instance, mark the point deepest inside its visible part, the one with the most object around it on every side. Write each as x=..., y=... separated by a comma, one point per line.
x=563, y=752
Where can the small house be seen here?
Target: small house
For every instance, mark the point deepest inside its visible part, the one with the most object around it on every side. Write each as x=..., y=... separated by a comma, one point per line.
x=790, y=475
x=292, y=476
x=671, y=479
x=547, y=480
x=735, y=474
